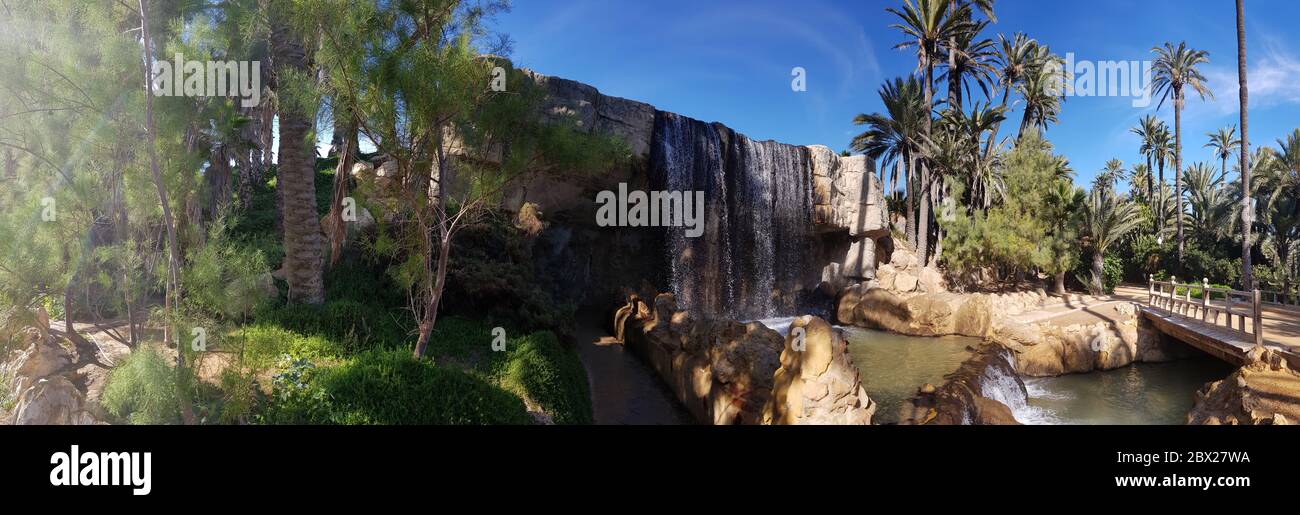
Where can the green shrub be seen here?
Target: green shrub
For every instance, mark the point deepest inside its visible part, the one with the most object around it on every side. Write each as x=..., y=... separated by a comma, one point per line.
x=537, y=366
x=1112, y=273
x=389, y=387
x=541, y=368
x=142, y=390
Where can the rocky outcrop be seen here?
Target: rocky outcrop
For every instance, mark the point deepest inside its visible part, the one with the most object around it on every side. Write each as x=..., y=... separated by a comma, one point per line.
x=726, y=372
x=977, y=393
x=848, y=198
x=721, y=371
x=1261, y=393
x=905, y=275
x=817, y=383
x=45, y=387
x=1041, y=349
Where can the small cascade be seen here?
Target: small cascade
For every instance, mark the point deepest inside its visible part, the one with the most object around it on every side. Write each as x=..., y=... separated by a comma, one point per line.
x=758, y=212
x=1004, y=385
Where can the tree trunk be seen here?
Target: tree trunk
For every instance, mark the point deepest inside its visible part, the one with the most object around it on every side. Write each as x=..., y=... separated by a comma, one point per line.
x=1059, y=289
x=1178, y=172
x=1247, y=274
x=911, y=200
x=431, y=309
x=1098, y=272
x=923, y=225
x=297, y=181
x=173, y=253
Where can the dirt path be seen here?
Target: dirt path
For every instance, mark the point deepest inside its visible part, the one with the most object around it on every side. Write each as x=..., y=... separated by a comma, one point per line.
x=623, y=389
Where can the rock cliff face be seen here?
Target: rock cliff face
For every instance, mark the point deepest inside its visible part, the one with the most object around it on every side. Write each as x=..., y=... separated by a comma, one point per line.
x=727, y=372
x=823, y=209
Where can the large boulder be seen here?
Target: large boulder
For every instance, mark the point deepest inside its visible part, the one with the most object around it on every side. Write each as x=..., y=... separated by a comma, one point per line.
x=817, y=383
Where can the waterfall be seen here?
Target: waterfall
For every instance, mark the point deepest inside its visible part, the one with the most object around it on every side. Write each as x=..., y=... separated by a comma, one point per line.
x=758, y=212
x=1002, y=384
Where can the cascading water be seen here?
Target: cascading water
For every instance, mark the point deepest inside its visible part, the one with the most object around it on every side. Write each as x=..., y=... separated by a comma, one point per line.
x=1005, y=386
x=758, y=211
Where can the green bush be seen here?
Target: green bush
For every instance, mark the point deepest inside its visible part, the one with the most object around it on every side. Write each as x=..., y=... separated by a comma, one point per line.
x=142, y=390
x=536, y=366
x=1112, y=273
x=388, y=387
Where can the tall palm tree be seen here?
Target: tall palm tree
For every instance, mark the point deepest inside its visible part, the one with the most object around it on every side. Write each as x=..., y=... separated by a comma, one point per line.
x=970, y=60
x=896, y=135
x=1223, y=141
x=1106, y=219
x=1012, y=62
x=927, y=24
x=1247, y=277
x=1174, y=68
x=963, y=8
x=1147, y=130
x=1043, y=92
x=296, y=175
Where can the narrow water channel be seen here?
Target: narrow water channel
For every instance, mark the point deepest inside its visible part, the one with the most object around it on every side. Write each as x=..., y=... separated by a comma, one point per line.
x=894, y=366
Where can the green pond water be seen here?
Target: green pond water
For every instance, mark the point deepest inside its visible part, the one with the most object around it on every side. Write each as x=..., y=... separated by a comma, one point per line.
x=893, y=367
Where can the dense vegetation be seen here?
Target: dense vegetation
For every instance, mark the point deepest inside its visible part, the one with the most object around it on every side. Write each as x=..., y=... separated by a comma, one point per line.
x=1005, y=212
x=257, y=281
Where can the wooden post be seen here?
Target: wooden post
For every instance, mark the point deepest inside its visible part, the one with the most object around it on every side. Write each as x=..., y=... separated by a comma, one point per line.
x=1205, y=300
x=1173, y=293
x=1151, y=290
x=1259, y=320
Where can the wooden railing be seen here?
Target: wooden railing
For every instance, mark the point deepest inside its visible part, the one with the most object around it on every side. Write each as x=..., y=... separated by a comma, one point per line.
x=1232, y=309
x=1280, y=298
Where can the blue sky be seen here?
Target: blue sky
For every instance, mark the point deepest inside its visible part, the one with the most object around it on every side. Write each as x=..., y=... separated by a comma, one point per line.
x=731, y=61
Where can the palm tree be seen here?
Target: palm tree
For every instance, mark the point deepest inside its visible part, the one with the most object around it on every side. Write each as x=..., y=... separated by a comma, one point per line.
x=1173, y=69
x=894, y=137
x=956, y=151
x=927, y=24
x=1109, y=175
x=1210, y=202
x=1012, y=62
x=963, y=8
x=296, y=175
x=1223, y=142
x=1062, y=203
x=1106, y=220
x=1141, y=183
x=1043, y=92
x=1247, y=277
x=969, y=59
x=1147, y=130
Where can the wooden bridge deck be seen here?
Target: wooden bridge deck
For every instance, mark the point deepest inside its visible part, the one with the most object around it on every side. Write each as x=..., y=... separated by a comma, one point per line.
x=1225, y=343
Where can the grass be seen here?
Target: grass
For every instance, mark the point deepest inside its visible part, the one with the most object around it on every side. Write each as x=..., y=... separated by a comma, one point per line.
x=388, y=387
x=535, y=366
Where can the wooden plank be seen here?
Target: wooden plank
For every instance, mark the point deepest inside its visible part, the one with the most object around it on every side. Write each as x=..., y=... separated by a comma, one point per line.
x=1203, y=337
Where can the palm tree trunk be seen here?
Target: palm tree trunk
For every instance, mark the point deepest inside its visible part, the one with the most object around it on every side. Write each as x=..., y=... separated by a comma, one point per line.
x=909, y=181
x=1247, y=275
x=923, y=225
x=297, y=182
x=1059, y=288
x=1178, y=172
x=1098, y=270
